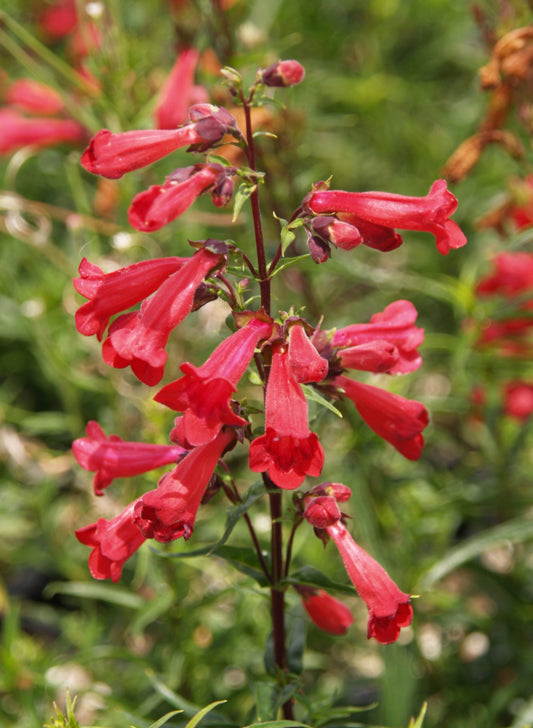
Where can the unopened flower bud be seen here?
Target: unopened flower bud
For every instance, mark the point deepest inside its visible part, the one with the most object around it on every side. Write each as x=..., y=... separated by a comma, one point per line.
x=339, y=491
x=223, y=191
x=322, y=511
x=283, y=73
x=318, y=249
x=341, y=234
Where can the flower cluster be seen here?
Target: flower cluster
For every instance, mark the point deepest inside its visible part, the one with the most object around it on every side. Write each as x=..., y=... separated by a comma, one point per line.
x=510, y=335
x=289, y=352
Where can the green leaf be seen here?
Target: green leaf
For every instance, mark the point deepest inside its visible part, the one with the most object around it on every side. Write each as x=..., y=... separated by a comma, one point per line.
x=164, y=718
x=245, y=560
x=265, y=697
x=287, y=237
x=287, y=262
x=243, y=193
x=279, y=724
x=515, y=531
x=314, y=396
x=418, y=722
x=198, y=717
x=104, y=592
x=296, y=636
x=309, y=576
x=324, y=717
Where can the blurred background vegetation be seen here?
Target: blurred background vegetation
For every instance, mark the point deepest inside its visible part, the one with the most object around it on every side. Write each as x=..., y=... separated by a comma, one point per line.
x=391, y=90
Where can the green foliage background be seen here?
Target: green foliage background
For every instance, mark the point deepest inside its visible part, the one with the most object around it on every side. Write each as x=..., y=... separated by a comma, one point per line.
x=391, y=89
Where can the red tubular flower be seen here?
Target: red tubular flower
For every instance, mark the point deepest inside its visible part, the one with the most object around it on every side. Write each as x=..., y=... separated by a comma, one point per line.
x=160, y=204
x=112, y=155
x=113, y=542
x=389, y=609
x=429, y=213
x=169, y=511
x=283, y=73
x=204, y=393
x=111, y=457
x=20, y=131
x=110, y=293
x=35, y=97
x=364, y=346
x=328, y=613
x=179, y=91
x=139, y=339
x=397, y=420
x=512, y=275
x=287, y=450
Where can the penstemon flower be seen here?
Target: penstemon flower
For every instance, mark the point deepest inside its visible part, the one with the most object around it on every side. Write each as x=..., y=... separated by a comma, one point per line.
x=430, y=213
x=294, y=360
x=139, y=339
x=111, y=457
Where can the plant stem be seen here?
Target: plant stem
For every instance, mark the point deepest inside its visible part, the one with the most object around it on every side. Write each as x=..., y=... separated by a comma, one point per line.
x=277, y=593
x=264, y=280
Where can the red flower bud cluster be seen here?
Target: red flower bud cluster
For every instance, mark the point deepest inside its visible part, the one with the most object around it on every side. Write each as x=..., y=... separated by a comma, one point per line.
x=510, y=335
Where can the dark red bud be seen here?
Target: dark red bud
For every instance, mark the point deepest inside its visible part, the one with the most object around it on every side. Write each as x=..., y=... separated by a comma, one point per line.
x=283, y=73
x=322, y=511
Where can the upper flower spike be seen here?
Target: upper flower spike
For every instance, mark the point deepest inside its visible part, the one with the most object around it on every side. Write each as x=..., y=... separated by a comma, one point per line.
x=430, y=213
x=112, y=155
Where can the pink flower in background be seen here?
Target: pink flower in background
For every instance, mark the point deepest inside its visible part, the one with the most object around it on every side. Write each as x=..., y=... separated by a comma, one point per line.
x=59, y=19
x=389, y=609
x=204, y=393
x=397, y=420
x=288, y=451
x=430, y=213
x=512, y=275
x=518, y=400
x=387, y=343
x=138, y=339
x=169, y=512
x=20, y=131
x=111, y=293
x=113, y=542
x=179, y=91
x=111, y=457
x=327, y=613
x=34, y=97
